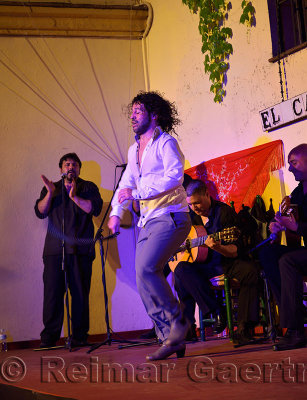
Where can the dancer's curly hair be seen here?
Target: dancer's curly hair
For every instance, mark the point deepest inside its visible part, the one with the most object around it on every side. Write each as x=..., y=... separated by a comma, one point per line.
x=154, y=103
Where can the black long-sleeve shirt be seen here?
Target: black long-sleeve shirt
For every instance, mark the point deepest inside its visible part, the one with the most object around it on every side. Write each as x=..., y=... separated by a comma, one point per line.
x=298, y=197
x=78, y=224
x=220, y=216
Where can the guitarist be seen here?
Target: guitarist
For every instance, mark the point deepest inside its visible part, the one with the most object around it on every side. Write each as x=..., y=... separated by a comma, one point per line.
x=192, y=279
x=286, y=265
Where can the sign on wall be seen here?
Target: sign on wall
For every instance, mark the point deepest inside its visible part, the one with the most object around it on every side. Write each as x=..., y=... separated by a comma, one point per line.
x=284, y=113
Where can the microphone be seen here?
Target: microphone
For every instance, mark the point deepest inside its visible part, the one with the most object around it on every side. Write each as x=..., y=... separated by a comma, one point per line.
x=65, y=174
x=272, y=237
x=121, y=166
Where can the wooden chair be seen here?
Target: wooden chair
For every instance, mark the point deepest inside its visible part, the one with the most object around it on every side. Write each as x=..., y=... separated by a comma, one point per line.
x=227, y=285
x=230, y=297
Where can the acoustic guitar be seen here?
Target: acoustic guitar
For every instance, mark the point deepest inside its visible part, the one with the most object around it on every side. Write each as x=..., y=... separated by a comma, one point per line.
x=287, y=208
x=193, y=250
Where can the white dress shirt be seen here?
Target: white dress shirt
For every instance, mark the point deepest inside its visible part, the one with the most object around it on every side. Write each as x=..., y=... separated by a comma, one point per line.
x=157, y=182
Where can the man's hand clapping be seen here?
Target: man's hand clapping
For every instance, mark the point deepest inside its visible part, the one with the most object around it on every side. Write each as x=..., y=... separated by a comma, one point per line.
x=48, y=184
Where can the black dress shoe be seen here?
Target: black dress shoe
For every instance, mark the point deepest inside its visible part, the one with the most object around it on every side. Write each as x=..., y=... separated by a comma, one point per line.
x=79, y=343
x=220, y=323
x=293, y=339
x=165, y=351
x=192, y=335
x=242, y=338
x=47, y=345
x=149, y=335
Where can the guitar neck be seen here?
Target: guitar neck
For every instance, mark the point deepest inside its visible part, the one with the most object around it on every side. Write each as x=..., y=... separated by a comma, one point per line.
x=198, y=241
x=191, y=243
x=227, y=234
x=185, y=253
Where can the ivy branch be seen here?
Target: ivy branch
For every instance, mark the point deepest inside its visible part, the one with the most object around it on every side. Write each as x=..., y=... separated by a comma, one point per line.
x=215, y=45
x=248, y=13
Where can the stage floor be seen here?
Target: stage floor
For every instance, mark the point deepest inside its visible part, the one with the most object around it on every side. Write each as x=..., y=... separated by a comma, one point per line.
x=211, y=370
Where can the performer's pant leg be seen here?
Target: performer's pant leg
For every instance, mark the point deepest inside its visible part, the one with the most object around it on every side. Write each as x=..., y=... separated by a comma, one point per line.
x=158, y=240
x=186, y=299
x=293, y=266
x=246, y=273
x=192, y=285
x=54, y=289
x=79, y=280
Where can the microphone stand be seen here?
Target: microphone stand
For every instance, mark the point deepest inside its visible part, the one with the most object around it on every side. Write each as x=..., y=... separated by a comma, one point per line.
x=272, y=329
x=68, y=343
x=99, y=237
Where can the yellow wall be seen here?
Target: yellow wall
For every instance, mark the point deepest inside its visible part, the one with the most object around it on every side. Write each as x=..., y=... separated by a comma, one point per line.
x=32, y=140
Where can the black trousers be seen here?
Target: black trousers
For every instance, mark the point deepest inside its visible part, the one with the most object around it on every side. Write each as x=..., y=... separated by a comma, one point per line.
x=269, y=256
x=284, y=267
x=79, y=272
x=193, y=286
x=292, y=267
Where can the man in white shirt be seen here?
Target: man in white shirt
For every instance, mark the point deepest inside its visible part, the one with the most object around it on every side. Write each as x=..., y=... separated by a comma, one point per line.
x=154, y=176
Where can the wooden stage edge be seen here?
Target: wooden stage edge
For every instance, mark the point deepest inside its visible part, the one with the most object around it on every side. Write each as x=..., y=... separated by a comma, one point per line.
x=213, y=370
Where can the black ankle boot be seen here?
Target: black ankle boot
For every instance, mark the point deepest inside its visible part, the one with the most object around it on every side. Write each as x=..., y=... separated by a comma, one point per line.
x=192, y=335
x=242, y=337
x=293, y=339
x=149, y=335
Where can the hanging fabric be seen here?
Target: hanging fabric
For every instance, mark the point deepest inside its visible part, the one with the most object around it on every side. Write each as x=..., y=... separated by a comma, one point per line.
x=240, y=176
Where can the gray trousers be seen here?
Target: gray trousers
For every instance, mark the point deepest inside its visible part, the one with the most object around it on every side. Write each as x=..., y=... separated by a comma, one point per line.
x=157, y=242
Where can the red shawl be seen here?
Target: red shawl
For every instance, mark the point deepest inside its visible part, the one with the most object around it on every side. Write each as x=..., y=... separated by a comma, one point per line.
x=240, y=176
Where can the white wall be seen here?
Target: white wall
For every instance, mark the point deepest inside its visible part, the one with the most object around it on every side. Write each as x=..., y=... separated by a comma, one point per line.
x=34, y=137
x=32, y=143
x=210, y=130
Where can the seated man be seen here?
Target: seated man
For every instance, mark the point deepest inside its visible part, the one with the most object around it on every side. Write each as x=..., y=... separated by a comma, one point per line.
x=192, y=279
x=286, y=265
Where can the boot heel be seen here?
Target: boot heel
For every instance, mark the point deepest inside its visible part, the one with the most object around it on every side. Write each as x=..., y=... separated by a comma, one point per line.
x=165, y=351
x=180, y=353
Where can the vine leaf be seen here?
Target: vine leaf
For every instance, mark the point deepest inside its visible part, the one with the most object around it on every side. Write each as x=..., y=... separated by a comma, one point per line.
x=215, y=46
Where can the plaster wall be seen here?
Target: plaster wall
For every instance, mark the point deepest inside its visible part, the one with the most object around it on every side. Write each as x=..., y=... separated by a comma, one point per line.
x=209, y=129
x=57, y=96
x=34, y=136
